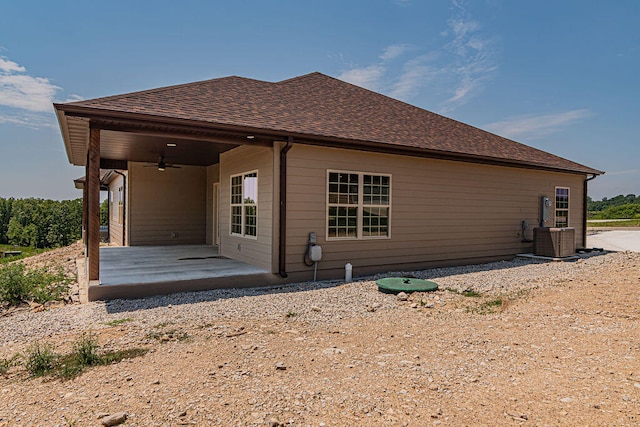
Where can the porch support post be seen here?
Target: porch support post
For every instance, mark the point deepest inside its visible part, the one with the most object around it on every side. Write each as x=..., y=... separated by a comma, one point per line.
x=93, y=204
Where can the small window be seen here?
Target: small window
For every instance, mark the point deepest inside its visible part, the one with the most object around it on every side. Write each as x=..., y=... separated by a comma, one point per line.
x=358, y=205
x=562, y=207
x=244, y=204
x=120, y=205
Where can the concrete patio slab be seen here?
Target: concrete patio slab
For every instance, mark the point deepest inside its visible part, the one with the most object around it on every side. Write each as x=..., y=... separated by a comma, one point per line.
x=150, y=264
x=139, y=271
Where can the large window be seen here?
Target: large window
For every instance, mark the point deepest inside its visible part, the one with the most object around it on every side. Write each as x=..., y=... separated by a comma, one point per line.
x=244, y=204
x=562, y=207
x=358, y=205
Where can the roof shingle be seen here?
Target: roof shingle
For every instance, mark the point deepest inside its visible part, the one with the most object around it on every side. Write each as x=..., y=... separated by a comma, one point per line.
x=322, y=106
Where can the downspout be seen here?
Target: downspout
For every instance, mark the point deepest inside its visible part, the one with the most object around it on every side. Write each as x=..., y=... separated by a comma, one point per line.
x=584, y=210
x=124, y=207
x=282, y=247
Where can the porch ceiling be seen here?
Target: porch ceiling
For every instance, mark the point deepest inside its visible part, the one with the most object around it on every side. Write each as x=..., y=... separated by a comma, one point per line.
x=130, y=141
x=148, y=148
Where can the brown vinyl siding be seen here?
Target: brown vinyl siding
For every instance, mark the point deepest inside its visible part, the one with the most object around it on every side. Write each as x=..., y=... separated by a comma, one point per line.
x=442, y=212
x=162, y=203
x=256, y=251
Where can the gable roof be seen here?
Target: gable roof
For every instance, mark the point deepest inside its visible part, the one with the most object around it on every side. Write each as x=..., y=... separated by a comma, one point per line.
x=318, y=106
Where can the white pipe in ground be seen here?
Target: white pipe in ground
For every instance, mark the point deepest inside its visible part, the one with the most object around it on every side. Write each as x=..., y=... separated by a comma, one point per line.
x=348, y=270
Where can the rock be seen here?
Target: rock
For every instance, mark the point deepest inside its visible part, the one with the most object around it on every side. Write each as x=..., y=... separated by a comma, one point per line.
x=114, y=419
x=566, y=400
x=414, y=305
x=371, y=309
x=402, y=296
x=280, y=366
x=316, y=308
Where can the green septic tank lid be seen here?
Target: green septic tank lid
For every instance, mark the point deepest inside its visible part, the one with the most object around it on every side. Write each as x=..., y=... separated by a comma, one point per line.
x=393, y=285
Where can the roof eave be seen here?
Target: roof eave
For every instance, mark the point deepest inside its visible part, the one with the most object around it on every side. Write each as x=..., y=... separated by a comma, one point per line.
x=93, y=113
x=62, y=121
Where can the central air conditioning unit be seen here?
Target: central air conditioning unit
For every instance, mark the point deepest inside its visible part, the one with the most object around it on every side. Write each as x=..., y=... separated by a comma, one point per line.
x=554, y=242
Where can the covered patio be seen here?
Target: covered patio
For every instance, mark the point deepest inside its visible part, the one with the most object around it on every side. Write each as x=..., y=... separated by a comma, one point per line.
x=139, y=271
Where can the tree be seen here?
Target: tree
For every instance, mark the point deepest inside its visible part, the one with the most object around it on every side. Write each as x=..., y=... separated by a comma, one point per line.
x=104, y=212
x=5, y=217
x=44, y=223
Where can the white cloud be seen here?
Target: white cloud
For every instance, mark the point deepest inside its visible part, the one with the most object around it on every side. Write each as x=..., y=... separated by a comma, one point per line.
x=73, y=98
x=367, y=77
x=471, y=58
x=7, y=66
x=416, y=73
x=453, y=72
x=30, y=120
x=393, y=51
x=26, y=92
x=532, y=127
x=25, y=100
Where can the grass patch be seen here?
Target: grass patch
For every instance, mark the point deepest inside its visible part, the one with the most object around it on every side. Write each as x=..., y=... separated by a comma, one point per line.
x=26, y=252
x=291, y=314
x=471, y=293
x=6, y=364
x=163, y=336
x=120, y=355
x=490, y=306
x=621, y=224
x=19, y=285
x=467, y=292
x=41, y=359
x=117, y=322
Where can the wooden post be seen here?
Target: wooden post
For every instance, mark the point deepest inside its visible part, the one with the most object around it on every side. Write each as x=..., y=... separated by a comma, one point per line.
x=93, y=204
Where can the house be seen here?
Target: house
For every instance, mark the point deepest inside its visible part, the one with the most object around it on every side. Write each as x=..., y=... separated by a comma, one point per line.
x=253, y=167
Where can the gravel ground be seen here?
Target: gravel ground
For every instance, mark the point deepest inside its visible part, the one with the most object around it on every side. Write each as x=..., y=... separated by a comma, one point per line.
x=560, y=348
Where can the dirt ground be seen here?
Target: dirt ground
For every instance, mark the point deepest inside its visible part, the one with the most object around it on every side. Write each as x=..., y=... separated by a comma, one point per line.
x=564, y=355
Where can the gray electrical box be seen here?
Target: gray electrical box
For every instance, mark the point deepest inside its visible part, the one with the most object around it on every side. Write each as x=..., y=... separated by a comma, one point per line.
x=545, y=210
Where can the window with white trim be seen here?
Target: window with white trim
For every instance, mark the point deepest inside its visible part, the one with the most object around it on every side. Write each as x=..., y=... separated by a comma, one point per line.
x=562, y=207
x=244, y=204
x=120, y=205
x=358, y=205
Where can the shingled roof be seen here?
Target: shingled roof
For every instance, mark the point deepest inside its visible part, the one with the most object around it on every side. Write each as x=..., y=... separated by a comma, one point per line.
x=319, y=106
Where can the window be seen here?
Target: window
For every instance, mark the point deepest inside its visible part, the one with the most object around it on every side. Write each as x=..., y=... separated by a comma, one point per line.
x=244, y=204
x=358, y=205
x=120, y=205
x=112, y=209
x=562, y=207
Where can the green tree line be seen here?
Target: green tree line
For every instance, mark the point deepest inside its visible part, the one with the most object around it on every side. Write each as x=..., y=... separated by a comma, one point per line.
x=618, y=207
x=40, y=223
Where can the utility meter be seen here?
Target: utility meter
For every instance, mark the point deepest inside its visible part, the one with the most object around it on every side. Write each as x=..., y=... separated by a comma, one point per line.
x=545, y=210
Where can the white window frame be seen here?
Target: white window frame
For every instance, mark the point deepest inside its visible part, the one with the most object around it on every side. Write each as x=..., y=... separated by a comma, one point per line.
x=242, y=205
x=121, y=205
x=360, y=206
x=555, y=206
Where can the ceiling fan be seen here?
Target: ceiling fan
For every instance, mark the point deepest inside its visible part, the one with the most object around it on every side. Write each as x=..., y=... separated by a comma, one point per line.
x=162, y=164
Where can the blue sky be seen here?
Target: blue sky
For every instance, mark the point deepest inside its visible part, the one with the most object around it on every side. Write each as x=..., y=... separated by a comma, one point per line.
x=561, y=76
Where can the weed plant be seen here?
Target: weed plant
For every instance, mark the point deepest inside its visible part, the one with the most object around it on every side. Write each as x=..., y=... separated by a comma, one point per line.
x=40, y=359
x=19, y=285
